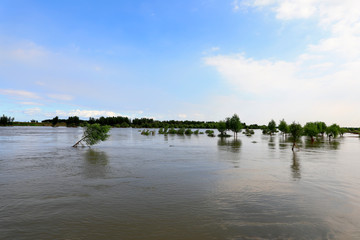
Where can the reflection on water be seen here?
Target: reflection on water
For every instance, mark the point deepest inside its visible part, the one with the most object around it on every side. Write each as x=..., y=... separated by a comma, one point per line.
x=272, y=142
x=229, y=144
x=95, y=163
x=138, y=187
x=295, y=167
x=322, y=143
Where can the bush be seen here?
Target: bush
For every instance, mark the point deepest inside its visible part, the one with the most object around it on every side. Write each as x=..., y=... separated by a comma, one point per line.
x=188, y=131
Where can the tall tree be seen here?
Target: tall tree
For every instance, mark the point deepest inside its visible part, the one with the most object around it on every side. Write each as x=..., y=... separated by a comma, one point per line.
x=235, y=124
x=272, y=127
x=283, y=127
x=311, y=130
x=296, y=131
x=333, y=131
x=55, y=121
x=321, y=126
x=221, y=127
x=5, y=121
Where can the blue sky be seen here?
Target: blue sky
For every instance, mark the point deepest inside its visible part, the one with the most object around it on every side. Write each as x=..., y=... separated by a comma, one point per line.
x=195, y=60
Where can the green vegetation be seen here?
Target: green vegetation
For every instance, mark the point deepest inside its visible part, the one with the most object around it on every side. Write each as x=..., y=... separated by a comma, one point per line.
x=272, y=127
x=93, y=134
x=234, y=124
x=210, y=133
x=321, y=126
x=296, y=132
x=248, y=132
x=147, y=132
x=73, y=121
x=221, y=127
x=333, y=131
x=311, y=130
x=283, y=127
x=55, y=121
x=6, y=121
x=188, y=131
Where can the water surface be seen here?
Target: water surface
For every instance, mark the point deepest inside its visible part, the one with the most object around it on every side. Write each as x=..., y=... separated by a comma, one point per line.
x=176, y=187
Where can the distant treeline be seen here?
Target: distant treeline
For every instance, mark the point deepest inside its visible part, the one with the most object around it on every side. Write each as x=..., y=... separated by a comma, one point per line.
x=125, y=122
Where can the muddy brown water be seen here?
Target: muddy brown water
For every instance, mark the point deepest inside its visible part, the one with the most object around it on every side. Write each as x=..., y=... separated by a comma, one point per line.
x=176, y=187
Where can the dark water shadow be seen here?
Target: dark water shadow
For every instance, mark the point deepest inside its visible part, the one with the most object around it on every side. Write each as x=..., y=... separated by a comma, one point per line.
x=95, y=164
x=284, y=142
x=322, y=143
x=295, y=167
x=229, y=145
x=272, y=142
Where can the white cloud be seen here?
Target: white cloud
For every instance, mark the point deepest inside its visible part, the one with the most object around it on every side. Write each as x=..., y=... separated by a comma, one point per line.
x=86, y=113
x=182, y=115
x=253, y=76
x=321, y=83
x=32, y=111
x=19, y=93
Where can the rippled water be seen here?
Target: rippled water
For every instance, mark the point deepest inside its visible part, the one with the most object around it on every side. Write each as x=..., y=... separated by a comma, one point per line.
x=176, y=187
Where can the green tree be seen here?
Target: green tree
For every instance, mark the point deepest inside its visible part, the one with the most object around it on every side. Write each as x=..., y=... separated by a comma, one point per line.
x=5, y=121
x=235, y=124
x=221, y=127
x=73, y=121
x=342, y=131
x=311, y=130
x=93, y=134
x=333, y=131
x=272, y=127
x=296, y=131
x=55, y=121
x=321, y=126
x=283, y=127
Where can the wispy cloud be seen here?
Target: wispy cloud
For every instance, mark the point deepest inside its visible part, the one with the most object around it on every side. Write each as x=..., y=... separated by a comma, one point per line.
x=32, y=111
x=31, y=103
x=19, y=93
x=235, y=5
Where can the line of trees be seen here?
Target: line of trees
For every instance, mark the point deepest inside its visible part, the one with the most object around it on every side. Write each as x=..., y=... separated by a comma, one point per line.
x=125, y=122
x=6, y=121
x=312, y=130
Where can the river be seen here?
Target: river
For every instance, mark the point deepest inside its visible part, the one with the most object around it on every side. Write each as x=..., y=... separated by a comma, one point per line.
x=176, y=187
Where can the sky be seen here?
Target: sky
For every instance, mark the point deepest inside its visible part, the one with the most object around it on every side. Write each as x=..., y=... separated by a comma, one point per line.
x=205, y=60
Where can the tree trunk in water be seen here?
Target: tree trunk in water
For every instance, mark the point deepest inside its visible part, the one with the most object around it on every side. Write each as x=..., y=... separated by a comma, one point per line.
x=293, y=146
x=77, y=143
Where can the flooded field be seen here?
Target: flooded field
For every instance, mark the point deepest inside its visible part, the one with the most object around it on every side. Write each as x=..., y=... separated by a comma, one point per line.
x=176, y=187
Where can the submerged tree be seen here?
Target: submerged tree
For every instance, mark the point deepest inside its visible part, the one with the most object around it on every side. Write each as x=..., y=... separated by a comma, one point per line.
x=333, y=131
x=234, y=124
x=272, y=127
x=311, y=130
x=321, y=126
x=93, y=134
x=221, y=127
x=296, y=131
x=283, y=127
